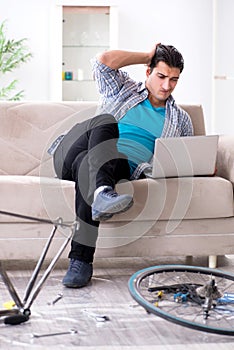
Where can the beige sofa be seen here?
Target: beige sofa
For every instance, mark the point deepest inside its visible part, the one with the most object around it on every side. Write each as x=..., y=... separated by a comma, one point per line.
x=172, y=217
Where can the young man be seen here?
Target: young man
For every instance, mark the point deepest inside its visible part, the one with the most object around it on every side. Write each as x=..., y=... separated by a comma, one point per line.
x=118, y=143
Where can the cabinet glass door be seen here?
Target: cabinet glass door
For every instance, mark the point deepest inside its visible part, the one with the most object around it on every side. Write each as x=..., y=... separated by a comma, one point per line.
x=85, y=33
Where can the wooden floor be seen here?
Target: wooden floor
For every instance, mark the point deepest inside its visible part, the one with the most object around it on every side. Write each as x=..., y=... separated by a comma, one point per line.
x=127, y=325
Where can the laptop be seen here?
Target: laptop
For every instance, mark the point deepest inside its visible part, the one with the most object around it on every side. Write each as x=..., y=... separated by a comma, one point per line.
x=185, y=156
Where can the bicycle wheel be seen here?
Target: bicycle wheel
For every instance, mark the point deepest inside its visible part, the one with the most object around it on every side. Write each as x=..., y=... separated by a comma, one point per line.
x=194, y=297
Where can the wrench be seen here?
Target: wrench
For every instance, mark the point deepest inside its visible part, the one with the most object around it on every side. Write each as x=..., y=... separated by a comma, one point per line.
x=71, y=331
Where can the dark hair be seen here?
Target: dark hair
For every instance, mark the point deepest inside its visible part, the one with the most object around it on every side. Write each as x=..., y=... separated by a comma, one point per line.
x=168, y=54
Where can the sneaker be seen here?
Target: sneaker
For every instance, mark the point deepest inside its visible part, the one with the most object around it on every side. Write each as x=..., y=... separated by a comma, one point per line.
x=108, y=202
x=78, y=275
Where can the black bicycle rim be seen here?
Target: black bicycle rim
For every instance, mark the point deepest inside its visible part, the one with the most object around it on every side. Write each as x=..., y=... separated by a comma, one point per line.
x=139, y=276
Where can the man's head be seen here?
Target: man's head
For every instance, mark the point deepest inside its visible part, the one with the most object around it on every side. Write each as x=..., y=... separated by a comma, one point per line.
x=168, y=54
x=163, y=74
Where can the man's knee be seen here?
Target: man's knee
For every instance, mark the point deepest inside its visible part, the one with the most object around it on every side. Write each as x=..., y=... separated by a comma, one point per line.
x=103, y=119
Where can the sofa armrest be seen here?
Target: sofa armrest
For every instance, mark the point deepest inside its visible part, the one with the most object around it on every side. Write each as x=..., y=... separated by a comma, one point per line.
x=225, y=157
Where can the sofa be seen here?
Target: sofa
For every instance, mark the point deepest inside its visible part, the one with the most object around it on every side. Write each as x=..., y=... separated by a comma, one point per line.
x=190, y=216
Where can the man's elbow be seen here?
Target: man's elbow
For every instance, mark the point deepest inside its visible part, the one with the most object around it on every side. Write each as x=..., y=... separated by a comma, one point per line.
x=107, y=59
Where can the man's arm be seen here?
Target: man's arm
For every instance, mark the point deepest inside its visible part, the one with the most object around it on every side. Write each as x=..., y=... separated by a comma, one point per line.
x=116, y=59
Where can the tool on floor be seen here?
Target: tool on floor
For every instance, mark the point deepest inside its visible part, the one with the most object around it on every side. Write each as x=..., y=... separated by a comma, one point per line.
x=21, y=312
x=97, y=317
x=9, y=304
x=71, y=331
x=59, y=296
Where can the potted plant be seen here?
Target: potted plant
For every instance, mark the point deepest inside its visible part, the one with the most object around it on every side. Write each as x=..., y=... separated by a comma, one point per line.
x=12, y=54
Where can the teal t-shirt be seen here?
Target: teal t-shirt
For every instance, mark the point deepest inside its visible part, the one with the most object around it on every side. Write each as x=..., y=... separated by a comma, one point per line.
x=138, y=130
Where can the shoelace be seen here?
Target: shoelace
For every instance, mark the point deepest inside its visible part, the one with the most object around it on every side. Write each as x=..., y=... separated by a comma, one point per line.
x=75, y=265
x=110, y=193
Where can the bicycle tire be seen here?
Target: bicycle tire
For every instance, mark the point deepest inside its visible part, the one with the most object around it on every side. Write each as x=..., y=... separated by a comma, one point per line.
x=138, y=286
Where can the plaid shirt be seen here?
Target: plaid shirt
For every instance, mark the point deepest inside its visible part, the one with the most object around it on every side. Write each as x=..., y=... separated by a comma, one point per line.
x=119, y=93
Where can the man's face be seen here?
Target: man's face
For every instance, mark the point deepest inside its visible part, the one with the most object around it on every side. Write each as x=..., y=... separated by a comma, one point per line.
x=161, y=82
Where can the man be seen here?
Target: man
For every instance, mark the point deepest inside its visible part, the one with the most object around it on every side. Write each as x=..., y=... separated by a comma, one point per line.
x=118, y=143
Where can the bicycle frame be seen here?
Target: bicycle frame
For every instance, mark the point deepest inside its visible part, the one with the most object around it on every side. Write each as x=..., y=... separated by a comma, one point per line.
x=21, y=312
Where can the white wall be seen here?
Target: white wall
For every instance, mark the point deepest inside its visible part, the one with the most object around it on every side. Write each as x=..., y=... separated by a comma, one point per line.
x=223, y=101
x=186, y=24
x=30, y=19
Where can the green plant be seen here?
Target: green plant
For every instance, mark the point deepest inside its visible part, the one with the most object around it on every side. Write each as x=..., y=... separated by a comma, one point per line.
x=12, y=54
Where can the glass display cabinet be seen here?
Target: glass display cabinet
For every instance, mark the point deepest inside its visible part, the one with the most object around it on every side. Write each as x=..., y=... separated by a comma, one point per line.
x=86, y=31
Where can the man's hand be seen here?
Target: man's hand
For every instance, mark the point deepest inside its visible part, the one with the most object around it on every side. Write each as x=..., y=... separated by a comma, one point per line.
x=152, y=53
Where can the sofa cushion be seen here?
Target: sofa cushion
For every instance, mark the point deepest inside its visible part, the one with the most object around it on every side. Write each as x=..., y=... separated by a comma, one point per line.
x=175, y=198
x=178, y=198
x=23, y=123
x=40, y=197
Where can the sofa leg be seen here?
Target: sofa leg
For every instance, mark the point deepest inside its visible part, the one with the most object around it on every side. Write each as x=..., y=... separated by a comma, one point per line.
x=212, y=261
x=189, y=259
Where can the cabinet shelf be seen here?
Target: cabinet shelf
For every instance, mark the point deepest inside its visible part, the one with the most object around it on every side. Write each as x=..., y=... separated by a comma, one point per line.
x=78, y=80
